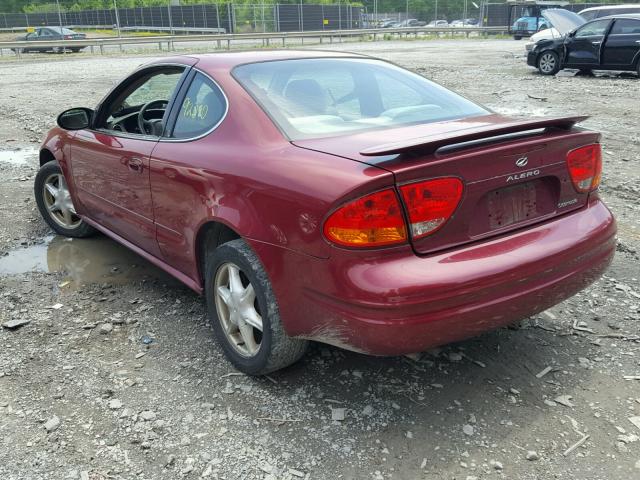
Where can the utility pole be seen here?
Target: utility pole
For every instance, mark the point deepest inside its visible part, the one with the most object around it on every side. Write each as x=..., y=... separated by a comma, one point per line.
x=170, y=20
x=115, y=7
x=59, y=16
x=60, y=22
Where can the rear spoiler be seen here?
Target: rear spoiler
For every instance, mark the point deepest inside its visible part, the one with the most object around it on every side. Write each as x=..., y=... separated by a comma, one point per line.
x=434, y=142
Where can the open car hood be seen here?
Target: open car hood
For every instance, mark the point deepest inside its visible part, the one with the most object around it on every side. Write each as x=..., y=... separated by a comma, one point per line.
x=563, y=20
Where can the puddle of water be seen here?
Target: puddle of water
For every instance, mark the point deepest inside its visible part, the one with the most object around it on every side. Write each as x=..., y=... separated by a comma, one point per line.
x=85, y=261
x=19, y=156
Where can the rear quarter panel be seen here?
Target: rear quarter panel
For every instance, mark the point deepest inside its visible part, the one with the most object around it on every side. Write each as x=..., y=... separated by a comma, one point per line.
x=247, y=176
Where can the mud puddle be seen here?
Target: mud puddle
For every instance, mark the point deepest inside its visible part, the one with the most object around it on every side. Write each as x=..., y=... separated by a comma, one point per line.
x=19, y=156
x=84, y=261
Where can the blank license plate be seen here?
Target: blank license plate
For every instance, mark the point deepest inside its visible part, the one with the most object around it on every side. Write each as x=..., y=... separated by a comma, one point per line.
x=512, y=205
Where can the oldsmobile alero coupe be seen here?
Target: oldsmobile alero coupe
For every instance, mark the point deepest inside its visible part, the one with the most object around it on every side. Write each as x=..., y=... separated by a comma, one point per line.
x=331, y=197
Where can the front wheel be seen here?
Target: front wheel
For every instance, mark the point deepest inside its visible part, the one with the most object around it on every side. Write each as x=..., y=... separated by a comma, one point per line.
x=548, y=63
x=244, y=312
x=55, y=204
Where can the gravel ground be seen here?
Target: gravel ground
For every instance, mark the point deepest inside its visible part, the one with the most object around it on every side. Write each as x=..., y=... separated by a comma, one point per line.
x=117, y=375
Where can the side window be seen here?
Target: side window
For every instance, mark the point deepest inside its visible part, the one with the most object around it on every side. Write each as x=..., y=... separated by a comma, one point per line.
x=151, y=91
x=593, y=29
x=202, y=109
x=626, y=26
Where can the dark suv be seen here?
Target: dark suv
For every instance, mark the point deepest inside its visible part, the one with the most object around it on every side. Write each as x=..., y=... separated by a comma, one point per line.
x=609, y=43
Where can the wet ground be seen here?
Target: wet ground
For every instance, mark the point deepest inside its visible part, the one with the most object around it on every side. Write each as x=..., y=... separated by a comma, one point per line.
x=114, y=372
x=82, y=262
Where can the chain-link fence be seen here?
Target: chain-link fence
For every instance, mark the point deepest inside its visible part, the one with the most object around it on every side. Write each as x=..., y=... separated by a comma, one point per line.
x=204, y=18
x=263, y=17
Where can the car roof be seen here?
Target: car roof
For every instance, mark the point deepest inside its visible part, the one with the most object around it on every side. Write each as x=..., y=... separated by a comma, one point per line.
x=625, y=15
x=611, y=7
x=229, y=60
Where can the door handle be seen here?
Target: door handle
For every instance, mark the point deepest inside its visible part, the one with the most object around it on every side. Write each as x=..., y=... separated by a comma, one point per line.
x=637, y=41
x=596, y=43
x=135, y=164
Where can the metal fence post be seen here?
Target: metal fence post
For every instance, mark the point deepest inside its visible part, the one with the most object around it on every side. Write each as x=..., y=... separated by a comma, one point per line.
x=170, y=19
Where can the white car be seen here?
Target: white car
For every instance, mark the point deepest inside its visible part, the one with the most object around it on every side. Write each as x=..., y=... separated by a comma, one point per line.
x=562, y=21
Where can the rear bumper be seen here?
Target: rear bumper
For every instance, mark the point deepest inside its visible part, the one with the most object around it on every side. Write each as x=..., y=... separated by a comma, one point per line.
x=385, y=303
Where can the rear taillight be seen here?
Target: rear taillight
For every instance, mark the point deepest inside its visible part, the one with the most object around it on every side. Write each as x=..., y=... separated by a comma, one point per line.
x=585, y=167
x=371, y=221
x=431, y=203
x=68, y=37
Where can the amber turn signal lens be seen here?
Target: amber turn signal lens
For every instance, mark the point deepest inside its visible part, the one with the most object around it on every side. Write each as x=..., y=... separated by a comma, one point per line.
x=371, y=221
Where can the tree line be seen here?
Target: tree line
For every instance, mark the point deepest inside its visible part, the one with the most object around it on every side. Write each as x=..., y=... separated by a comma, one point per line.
x=421, y=9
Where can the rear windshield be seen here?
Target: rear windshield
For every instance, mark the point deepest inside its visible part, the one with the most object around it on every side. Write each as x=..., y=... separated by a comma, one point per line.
x=311, y=98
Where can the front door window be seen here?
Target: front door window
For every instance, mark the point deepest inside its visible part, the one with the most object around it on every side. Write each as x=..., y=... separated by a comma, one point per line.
x=139, y=107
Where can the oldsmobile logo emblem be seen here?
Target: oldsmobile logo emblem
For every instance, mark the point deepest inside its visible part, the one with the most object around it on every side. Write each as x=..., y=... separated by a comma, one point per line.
x=522, y=162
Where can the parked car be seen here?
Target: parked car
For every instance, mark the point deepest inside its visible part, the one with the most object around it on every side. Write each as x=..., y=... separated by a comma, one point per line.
x=411, y=22
x=609, y=43
x=331, y=197
x=467, y=22
x=585, y=15
x=389, y=24
x=438, y=23
x=607, y=10
x=567, y=21
x=50, y=34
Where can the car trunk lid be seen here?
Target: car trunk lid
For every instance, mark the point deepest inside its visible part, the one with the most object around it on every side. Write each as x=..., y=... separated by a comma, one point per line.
x=514, y=171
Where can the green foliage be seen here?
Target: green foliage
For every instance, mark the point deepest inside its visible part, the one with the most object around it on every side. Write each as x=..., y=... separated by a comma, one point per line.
x=27, y=6
x=421, y=9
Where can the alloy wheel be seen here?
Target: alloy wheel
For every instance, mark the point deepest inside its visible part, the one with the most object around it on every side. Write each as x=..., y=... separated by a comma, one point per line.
x=238, y=310
x=547, y=62
x=57, y=201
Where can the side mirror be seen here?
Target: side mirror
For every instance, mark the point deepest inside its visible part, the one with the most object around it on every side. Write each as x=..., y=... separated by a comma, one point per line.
x=75, y=118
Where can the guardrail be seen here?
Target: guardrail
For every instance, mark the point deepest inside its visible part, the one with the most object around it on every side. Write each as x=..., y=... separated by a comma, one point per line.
x=169, y=40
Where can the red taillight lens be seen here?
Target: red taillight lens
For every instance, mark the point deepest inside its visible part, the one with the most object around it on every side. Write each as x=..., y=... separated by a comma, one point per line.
x=585, y=167
x=68, y=37
x=431, y=203
x=371, y=221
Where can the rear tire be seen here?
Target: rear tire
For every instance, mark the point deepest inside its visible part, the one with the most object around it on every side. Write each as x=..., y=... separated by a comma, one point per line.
x=55, y=205
x=517, y=37
x=548, y=63
x=237, y=288
x=638, y=68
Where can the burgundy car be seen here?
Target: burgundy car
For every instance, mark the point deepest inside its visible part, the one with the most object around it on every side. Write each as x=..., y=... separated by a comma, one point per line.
x=331, y=197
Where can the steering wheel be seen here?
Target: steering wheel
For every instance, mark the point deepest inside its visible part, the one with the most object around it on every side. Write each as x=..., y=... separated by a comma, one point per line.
x=146, y=126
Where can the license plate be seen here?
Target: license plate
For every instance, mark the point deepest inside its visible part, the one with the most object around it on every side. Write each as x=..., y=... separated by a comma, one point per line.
x=512, y=205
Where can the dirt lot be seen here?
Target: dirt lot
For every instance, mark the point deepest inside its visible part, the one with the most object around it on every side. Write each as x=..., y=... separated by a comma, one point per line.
x=117, y=374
